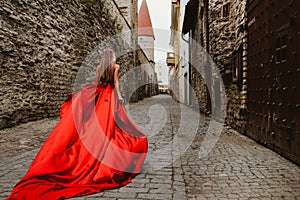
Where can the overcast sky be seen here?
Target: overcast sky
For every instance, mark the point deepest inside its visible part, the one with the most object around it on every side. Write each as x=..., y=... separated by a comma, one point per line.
x=160, y=13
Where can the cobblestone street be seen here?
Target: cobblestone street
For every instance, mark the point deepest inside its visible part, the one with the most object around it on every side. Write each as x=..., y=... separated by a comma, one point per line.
x=236, y=167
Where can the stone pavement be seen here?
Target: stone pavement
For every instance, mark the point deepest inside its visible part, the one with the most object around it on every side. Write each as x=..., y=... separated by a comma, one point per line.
x=235, y=168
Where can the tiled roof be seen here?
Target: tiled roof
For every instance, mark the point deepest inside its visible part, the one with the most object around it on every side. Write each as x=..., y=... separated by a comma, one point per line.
x=144, y=21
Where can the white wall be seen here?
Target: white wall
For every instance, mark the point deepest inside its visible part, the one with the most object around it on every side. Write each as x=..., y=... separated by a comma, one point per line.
x=162, y=71
x=184, y=58
x=147, y=44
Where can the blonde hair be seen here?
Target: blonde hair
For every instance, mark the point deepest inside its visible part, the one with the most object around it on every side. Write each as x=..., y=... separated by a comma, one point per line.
x=105, y=71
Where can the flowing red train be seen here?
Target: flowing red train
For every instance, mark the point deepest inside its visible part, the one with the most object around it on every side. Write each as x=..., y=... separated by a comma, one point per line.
x=94, y=146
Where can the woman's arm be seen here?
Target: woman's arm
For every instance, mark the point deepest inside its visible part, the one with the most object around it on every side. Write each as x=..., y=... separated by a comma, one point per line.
x=116, y=83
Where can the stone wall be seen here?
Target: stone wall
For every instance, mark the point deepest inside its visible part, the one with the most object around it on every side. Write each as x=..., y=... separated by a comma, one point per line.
x=146, y=76
x=199, y=99
x=147, y=44
x=42, y=46
x=227, y=35
x=126, y=9
x=197, y=57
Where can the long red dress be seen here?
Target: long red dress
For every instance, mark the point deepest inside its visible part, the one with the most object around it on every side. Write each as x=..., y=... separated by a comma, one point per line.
x=94, y=146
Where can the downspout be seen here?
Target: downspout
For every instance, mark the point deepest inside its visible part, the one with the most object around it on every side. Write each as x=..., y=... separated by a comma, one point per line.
x=189, y=67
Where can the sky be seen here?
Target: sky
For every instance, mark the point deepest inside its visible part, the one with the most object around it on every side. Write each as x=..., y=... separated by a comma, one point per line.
x=160, y=13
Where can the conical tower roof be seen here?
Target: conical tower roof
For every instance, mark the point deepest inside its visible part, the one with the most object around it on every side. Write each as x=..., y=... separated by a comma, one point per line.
x=144, y=21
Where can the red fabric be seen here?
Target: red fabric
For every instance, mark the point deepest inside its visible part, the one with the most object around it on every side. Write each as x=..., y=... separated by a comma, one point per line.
x=94, y=146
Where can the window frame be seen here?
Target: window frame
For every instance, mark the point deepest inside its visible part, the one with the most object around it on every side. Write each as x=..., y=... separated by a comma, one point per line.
x=227, y=6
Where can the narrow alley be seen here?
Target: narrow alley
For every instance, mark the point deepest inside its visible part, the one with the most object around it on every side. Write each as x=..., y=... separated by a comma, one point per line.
x=236, y=167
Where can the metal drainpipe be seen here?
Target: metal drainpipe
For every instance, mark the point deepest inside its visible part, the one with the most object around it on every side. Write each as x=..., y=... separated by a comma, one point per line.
x=189, y=67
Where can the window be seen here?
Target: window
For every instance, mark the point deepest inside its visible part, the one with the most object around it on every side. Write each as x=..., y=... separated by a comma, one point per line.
x=235, y=71
x=201, y=12
x=226, y=9
x=237, y=65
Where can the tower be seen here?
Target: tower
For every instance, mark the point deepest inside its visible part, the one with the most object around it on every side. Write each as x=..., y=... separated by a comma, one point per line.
x=145, y=31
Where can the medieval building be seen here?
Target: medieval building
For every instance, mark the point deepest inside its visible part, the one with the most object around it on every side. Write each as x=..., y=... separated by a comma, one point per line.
x=162, y=76
x=148, y=77
x=255, y=47
x=173, y=58
x=145, y=31
x=220, y=31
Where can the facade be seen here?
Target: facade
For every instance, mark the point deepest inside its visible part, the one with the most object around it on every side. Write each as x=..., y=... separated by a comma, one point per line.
x=220, y=31
x=145, y=31
x=194, y=27
x=162, y=71
x=228, y=39
x=170, y=61
x=185, y=68
x=173, y=58
x=255, y=46
x=148, y=77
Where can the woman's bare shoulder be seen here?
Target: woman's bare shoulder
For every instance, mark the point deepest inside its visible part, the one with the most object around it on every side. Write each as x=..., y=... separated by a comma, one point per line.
x=117, y=67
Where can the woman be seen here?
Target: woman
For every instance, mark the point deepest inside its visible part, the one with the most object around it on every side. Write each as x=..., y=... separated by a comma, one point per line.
x=94, y=146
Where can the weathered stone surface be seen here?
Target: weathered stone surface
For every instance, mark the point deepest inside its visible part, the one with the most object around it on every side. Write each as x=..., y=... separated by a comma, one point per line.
x=42, y=46
x=226, y=33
